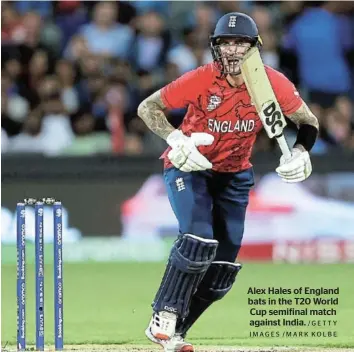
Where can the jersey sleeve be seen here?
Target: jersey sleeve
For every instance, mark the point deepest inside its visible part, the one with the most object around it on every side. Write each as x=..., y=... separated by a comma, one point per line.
x=287, y=95
x=185, y=89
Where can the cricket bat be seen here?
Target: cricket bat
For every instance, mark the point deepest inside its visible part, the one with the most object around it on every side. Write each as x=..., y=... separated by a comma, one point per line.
x=262, y=95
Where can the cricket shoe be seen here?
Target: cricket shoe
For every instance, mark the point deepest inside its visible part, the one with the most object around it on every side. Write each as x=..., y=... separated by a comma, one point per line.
x=162, y=325
x=174, y=344
x=177, y=344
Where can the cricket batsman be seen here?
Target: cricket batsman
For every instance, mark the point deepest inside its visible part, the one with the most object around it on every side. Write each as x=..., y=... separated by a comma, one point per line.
x=208, y=174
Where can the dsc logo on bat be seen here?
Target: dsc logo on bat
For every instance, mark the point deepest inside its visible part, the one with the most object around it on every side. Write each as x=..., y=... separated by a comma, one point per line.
x=273, y=117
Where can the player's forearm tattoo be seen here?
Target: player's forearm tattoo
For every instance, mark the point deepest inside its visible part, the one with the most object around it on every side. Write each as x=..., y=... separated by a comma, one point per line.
x=151, y=112
x=304, y=116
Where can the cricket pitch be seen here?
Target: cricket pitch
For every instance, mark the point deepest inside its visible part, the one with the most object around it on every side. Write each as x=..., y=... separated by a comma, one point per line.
x=152, y=348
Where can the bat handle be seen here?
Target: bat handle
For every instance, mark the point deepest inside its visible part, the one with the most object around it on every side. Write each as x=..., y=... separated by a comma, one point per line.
x=284, y=146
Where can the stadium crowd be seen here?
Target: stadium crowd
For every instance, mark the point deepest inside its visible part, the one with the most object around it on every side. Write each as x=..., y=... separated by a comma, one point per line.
x=74, y=72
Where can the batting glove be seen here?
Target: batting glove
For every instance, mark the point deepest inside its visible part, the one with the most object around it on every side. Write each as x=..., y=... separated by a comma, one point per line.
x=295, y=169
x=184, y=154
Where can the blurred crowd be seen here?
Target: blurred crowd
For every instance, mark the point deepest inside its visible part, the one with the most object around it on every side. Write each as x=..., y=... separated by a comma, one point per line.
x=74, y=72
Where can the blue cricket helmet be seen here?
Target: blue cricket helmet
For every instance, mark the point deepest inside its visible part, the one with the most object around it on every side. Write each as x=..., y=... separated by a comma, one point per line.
x=236, y=25
x=233, y=25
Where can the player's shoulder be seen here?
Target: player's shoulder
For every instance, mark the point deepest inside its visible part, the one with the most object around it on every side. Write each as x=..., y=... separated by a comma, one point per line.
x=197, y=78
x=284, y=89
x=275, y=75
x=205, y=72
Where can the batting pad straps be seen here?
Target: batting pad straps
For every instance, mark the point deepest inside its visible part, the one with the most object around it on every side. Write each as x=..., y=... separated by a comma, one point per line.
x=189, y=260
x=218, y=280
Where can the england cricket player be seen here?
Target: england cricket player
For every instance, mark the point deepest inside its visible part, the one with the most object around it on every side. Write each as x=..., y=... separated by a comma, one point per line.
x=208, y=174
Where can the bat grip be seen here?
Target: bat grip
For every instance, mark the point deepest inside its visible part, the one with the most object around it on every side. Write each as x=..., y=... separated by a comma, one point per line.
x=284, y=146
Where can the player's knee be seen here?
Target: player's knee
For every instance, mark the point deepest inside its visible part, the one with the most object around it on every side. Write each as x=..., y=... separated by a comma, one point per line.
x=227, y=251
x=199, y=229
x=192, y=253
x=218, y=280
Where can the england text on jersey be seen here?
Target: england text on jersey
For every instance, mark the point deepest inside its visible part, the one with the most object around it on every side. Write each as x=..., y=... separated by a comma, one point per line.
x=225, y=112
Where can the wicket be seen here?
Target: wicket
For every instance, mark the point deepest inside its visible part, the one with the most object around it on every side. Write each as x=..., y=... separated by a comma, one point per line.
x=39, y=270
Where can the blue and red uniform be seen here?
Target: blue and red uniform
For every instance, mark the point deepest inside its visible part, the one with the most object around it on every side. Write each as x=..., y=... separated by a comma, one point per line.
x=212, y=203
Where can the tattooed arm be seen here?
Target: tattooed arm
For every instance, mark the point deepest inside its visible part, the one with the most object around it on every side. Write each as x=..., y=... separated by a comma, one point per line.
x=151, y=112
x=304, y=115
x=308, y=126
x=184, y=154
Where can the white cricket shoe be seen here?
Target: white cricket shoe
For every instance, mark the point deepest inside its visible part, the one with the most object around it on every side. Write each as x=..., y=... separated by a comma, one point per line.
x=177, y=344
x=163, y=325
x=174, y=344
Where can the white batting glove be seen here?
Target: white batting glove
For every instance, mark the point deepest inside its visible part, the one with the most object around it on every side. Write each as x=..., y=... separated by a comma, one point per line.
x=184, y=154
x=295, y=169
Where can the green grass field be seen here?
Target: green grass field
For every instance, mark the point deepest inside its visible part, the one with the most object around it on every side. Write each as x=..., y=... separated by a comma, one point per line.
x=110, y=304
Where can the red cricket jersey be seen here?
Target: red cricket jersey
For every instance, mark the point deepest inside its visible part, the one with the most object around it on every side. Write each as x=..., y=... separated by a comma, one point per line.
x=225, y=112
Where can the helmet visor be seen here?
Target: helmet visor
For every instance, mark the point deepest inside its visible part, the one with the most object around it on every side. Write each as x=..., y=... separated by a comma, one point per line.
x=228, y=54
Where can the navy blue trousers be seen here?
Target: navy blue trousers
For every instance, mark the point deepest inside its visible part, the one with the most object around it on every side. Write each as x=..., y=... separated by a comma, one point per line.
x=211, y=205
